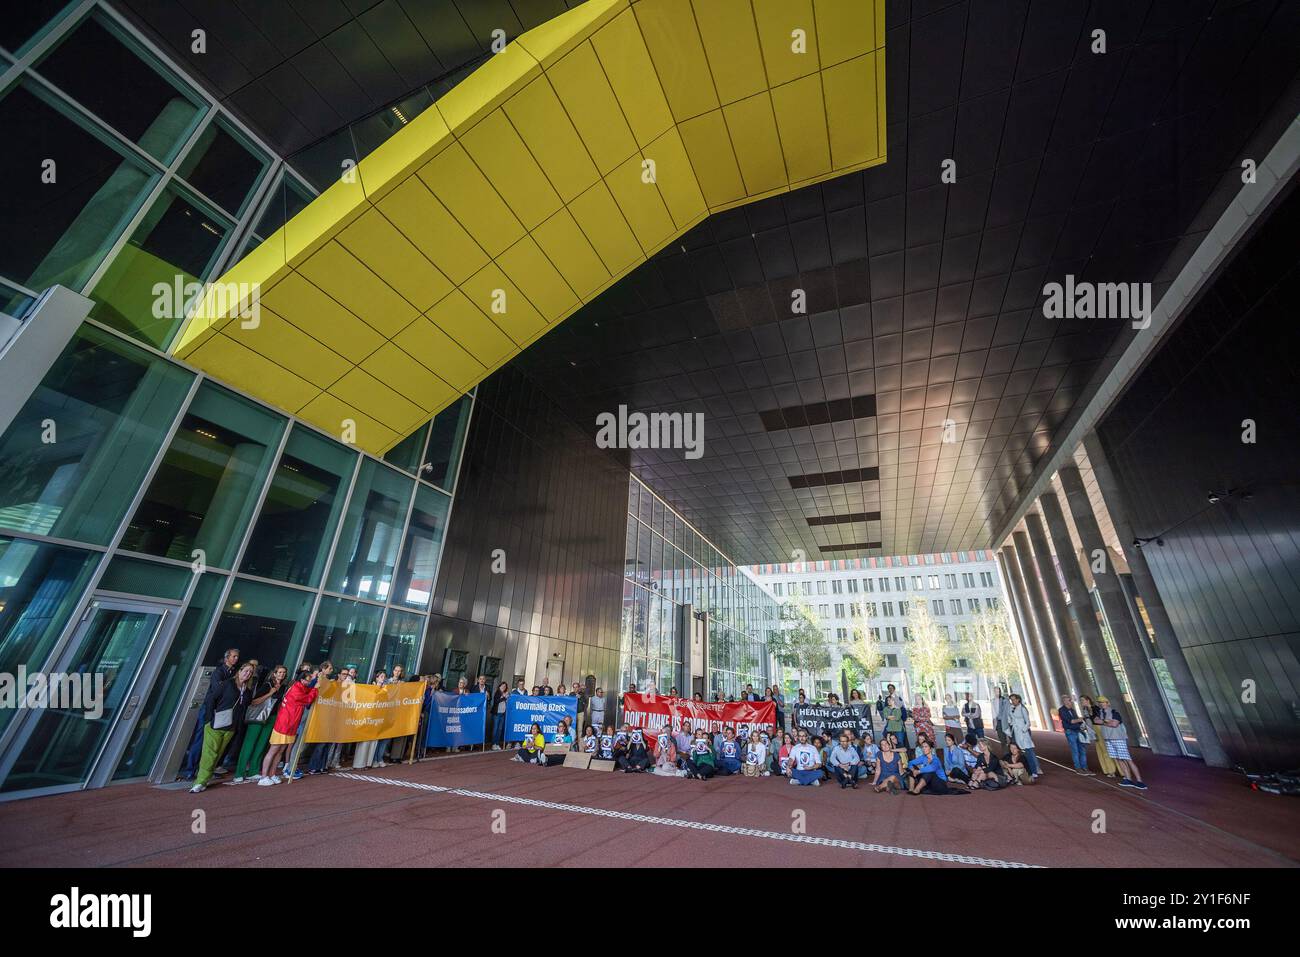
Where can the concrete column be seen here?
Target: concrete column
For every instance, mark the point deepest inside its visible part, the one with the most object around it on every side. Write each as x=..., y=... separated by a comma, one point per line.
x=1207, y=736
x=1142, y=686
x=1075, y=669
x=1020, y=613
x=1039, y=633
x=1103, y=669
x=1059, y=677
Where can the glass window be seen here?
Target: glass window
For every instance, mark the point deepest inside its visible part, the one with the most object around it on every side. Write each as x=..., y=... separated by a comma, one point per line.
x=174, y=249
x=419, y=565
x=206, y=487
x=39, y=587
x=285, y=201
x=372, y=528
x=406, y=454
x=174, y=676
x=102, y=70
x=446, y=437
x=24, y=22
x=79, y=450
x=345, y=633
x=58, y=231
x=292, y=534
x=265, y=622
x=132, y=576
x=224, y=167
x=400, y=644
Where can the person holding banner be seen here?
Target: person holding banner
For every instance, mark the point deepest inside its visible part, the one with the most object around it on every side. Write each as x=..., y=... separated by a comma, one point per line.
x=805, y=763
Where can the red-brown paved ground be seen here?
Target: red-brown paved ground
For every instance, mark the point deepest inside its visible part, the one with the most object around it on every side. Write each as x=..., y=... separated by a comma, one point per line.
x=1191, y=816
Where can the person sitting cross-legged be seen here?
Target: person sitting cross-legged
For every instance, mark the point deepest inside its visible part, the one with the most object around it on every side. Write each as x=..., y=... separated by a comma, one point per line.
x=805, y=762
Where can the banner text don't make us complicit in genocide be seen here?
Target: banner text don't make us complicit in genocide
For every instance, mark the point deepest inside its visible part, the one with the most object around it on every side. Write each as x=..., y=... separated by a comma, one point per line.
x=653, y=712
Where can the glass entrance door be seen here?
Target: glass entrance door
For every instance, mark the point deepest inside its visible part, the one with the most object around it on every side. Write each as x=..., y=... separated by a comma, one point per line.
x=73, y=734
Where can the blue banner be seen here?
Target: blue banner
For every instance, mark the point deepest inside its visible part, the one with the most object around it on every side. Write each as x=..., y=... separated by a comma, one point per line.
x=456, y=719
x=523, y=711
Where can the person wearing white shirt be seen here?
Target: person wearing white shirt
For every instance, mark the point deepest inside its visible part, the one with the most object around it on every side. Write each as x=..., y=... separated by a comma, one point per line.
x=805, y=762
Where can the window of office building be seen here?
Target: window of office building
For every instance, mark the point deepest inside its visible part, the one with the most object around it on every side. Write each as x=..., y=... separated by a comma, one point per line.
x=345, y=632
x=419, y=561
x=96, y=62
x=400, y=642
x=205, y=489
x=265, y=622
x=884, y=584
x=934, y=582
x=81, y=446
x=853, y=586
x=292, y=535
x=58, y=230
x=837, y=587
x=954, y=606
x=366, y=556
x=224, y=167
x=147, y=289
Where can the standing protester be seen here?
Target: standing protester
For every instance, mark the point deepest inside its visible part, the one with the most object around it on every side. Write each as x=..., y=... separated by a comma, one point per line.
x=892, y=715
x=1018, y=731
x=1001, y=715
x=499, y=715
x=260, y=722
x=225, y=703
x=973, y=716
x=951, y=717
x=194, y=751
x=1073, y=724
x=288, y=720
x=598, y=708
x=1114, y=736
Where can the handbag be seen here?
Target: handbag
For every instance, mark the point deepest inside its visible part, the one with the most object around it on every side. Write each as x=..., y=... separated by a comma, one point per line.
x=262, y=713
x=223, y=719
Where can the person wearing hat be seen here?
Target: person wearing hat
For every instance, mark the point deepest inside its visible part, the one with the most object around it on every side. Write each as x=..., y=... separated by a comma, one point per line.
x=1113, y=734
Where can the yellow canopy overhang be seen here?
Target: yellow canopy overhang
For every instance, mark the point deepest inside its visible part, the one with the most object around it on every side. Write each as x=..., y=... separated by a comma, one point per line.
x=565, y=161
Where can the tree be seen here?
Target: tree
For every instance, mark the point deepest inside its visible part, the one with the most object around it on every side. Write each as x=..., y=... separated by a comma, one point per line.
x=805, y=646
x=990, y=647
x=930, y=654
x=864, y=655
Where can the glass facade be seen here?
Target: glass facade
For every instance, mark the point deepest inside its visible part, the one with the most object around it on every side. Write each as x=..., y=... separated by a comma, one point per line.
x=669, y=565
x=150, y=517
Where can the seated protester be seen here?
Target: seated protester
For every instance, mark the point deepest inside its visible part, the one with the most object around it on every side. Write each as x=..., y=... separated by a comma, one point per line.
x=845, y=761
x=624, y=733
x=888, y=776
x=926, y=772
x=988, y=774
x=756, y=759
x=823, y=746
x=636, y=756
x=534, y=743
x=682, y=739
x=700, y=761
x=729, y=753
x=666, y=760
x=605, y=749
x=589, y=741
x=783, y=753
x=561, y=736
x=870, y=752
x=1016, y=765
x=805, y=762
x=954, y=760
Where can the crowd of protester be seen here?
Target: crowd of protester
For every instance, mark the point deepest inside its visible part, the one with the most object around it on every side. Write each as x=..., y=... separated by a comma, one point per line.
x=252, y=717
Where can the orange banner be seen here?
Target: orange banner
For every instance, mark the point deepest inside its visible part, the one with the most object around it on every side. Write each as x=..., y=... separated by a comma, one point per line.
x=356, y=712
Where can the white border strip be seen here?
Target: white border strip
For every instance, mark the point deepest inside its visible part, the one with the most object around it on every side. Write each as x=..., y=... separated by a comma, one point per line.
x=691, y=825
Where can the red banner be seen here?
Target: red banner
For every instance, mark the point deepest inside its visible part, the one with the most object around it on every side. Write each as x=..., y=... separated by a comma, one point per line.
x=651, y=712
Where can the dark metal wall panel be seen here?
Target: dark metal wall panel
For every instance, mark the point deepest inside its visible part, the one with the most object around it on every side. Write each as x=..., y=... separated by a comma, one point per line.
x=1229, y=574
x=535, y=486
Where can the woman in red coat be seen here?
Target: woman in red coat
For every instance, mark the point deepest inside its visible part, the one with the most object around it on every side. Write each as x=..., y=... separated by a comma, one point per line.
x=297, y=699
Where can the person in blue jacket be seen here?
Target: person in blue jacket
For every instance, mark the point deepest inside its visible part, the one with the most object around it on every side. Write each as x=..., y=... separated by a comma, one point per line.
x=925, y=773
x=729, y=753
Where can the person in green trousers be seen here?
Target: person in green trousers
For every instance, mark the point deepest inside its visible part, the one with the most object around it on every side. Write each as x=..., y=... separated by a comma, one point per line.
x=226, y=703
x=258, y=733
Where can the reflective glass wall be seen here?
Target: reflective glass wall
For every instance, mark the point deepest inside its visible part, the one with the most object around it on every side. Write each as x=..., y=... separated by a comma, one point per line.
x=668, y=564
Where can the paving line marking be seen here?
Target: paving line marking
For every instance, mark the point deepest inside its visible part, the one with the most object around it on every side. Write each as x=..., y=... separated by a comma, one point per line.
x=691, y=825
